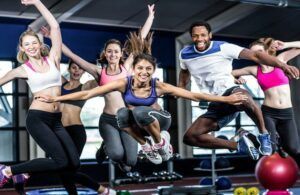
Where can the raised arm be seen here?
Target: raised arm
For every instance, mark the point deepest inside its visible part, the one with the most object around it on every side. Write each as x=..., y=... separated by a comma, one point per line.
x=144, y=32
x=147, y=26
x=85, y=65
x=294, y=50
x=263, y=58
x=184, y=78
x=235, y=99
x=118, y=85
x=55, y=51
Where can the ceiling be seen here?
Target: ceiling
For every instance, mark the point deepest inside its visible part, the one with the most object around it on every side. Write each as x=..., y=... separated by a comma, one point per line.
x=230, y=18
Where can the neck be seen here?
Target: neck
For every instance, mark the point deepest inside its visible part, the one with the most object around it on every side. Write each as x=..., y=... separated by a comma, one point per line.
x=138, y=84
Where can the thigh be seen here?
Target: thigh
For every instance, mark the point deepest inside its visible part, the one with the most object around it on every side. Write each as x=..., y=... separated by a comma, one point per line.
x=111, y=137
x=78, y=135
x=45, y=137
x=202, y=125
x=130, y=147
x=67, y=142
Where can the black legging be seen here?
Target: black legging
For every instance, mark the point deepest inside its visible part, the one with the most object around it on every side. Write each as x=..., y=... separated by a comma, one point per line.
x=78, y=135
x=281, y=124
x=47, y=131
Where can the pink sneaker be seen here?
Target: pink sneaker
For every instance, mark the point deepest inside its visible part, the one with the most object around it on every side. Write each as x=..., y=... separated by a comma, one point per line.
x=3, y=178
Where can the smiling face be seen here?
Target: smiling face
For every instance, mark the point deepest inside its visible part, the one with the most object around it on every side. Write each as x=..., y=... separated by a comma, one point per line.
x=113, y=53
x=75, y=71
x=201, y=37
x=31, y=46
x=143, y=71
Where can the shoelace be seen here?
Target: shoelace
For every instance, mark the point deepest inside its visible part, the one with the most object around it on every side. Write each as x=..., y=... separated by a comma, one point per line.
x=254, y=151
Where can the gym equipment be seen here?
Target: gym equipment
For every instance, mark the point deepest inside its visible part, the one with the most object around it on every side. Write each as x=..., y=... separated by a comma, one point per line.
x=240, y=191
x=223, y=183
x=276, y=173
x=61, y=191
x=205, y=181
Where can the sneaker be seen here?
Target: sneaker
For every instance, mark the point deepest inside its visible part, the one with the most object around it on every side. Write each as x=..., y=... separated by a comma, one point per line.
x=109, y=191
x=152, y=154
x=165, y=150
x=20, y=178
x=246, y=146
x=238, y=134
x=3, y=178
x=265, y=147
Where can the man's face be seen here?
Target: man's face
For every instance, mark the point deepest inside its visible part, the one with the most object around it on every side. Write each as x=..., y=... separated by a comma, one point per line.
x=201, y=37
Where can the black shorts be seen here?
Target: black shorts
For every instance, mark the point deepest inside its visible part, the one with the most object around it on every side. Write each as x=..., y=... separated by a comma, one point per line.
x=221, y=112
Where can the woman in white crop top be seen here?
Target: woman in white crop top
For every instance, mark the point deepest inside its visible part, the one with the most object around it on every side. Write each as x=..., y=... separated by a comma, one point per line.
x=40, y=67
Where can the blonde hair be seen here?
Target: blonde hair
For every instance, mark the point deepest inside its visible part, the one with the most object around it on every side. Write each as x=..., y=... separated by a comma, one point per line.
x=136, y=45
x=21, y=56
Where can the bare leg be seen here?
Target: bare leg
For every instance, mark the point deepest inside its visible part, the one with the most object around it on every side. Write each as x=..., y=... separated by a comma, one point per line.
x=253, y=111
x=197, y=135
x=154, y=130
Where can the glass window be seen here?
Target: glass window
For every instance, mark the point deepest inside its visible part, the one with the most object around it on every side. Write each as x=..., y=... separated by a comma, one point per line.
x=244, y=120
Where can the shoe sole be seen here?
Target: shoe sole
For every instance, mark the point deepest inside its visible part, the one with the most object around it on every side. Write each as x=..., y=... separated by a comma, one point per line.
x=250, y=145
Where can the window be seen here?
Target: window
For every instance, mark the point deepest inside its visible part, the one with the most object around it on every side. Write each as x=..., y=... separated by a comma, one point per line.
x=243, y=120
x=91, y=112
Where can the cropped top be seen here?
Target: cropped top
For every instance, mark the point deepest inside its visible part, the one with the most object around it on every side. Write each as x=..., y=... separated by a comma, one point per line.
x=131, y=99
x=106, y=78
x=79, y=103
x=271, y=79
x=38, y=81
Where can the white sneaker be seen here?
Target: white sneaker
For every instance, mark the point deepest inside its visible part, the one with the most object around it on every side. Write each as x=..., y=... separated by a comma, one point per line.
x=166, y=150
x=152, y=155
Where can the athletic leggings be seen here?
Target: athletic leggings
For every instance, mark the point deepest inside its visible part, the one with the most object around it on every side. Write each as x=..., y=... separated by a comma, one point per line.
x=120, y=146
x=281, y=124
x=78, y=135
x=47, y=131
x=143, y=116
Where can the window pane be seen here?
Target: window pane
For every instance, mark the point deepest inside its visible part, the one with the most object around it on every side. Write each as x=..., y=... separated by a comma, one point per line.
x=93, y=142
x=91, y=111
x=6, y=146
x=5, y=110
x=5, y=66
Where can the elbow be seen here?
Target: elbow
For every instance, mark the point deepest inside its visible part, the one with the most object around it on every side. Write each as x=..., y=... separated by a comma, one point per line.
x=55, y=27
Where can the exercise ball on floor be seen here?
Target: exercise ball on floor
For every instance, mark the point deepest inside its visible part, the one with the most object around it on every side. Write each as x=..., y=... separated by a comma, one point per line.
x=276, y=173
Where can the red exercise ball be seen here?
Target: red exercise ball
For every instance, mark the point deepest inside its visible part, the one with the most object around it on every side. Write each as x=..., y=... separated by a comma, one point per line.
x=276, y=173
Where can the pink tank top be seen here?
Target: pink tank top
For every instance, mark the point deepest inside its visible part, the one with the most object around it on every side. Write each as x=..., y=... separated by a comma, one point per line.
x=106, y=78
x=271, y=79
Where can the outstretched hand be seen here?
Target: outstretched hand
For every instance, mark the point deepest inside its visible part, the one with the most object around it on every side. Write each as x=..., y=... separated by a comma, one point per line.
x=151, y=10
x=236, y=98
x=29, y=2
x=45, y=31
x=240, y=81
x=278, y=45
x=45, y=98
x=291, y=71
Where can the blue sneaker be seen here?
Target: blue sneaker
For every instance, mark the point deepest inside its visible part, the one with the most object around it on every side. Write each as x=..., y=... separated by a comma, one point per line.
x=3, y=178
x=265, y=147
x=246, y=146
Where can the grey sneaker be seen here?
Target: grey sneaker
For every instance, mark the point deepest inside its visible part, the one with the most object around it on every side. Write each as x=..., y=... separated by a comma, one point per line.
x=152, y=155
x=246, y=146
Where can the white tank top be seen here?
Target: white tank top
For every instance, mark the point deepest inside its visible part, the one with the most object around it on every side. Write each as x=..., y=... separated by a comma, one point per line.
x=38, y=81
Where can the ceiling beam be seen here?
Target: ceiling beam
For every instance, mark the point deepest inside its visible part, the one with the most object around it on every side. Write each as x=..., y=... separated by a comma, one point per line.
x=39, y=22
x=225, y=19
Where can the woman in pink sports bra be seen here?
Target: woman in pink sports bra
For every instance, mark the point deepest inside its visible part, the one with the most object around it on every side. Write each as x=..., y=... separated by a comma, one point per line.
x=277, y=106
x=119, y=146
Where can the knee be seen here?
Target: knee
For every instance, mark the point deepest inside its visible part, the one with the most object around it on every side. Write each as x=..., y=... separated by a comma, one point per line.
x=116, y=155
x=188, y=137
x=141, y=115
x=123, y=116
